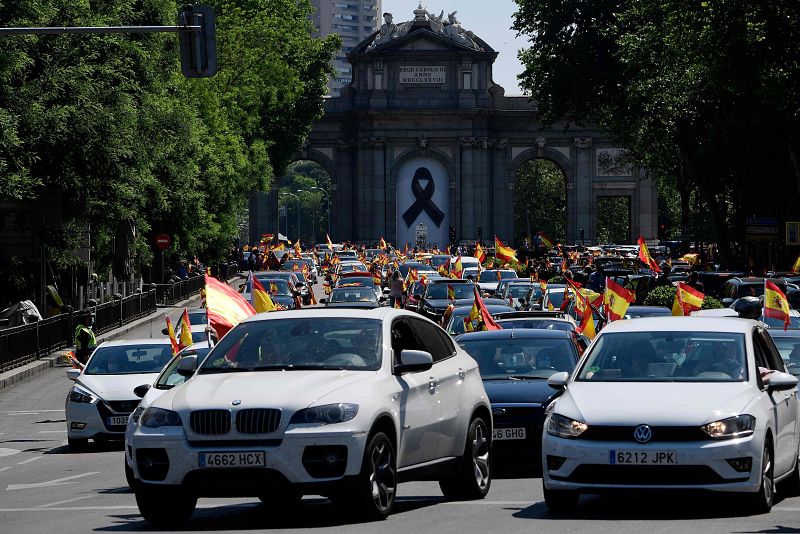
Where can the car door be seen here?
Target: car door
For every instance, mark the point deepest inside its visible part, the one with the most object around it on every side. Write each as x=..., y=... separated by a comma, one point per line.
x=785, y=405
x=419, y=407
x=449, y=376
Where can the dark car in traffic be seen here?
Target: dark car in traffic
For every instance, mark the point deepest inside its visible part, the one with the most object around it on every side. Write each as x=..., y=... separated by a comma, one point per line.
x=435, y=299
x=515, y=365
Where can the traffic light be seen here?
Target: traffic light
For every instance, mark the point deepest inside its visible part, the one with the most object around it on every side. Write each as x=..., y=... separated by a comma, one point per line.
x=198, y=47
x=452, y=235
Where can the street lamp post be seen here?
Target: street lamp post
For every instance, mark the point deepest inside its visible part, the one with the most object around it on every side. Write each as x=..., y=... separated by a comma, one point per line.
x=313, y=218
x=328, y=198
x=287, y=214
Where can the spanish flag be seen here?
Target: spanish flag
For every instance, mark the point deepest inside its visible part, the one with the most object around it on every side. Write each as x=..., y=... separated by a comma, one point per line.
x=262, y=302
x=502, y=252
x=226, y=308
x=687, y=300
x=172, y=339
x=458, y=270
x=616, y=300
x=186, y=328
x=488, y=321
x=451, y=292
x=645, y=257
x=468, y=325
x=330, y=243
x=444, y=269
x=546, y=241
x=480, y=254
x=383, y=243
x=775, y=304
x=587, y=326
x=298, y=251
x=796, y=266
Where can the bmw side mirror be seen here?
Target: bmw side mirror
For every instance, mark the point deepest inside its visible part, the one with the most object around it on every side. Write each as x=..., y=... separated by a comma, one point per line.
x=187, y=366
x=141, y=391
x=413, y=361
x=777, y=381
x=73, y=374
x=558, y=380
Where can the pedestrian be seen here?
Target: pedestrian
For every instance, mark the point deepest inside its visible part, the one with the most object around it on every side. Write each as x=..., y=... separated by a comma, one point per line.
x=396, y=289
x=597, y=281
x=663, y=278
x=85, y=341
x=694, y=281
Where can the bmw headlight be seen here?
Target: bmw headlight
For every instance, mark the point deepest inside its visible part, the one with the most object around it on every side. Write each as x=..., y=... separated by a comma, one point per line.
x=325, y=415
x=158, y=417
x=732, y=427
x=77, y=394
x=564, y=427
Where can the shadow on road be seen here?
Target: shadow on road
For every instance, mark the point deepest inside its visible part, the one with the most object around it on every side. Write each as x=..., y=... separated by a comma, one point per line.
x=312, y=513
x=649, y=506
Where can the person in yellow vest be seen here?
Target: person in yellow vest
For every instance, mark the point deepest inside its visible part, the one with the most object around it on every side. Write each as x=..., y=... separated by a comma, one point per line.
x=85, y=341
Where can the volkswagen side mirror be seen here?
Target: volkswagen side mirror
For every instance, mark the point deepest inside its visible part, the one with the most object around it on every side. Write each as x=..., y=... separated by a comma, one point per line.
x=777, y=381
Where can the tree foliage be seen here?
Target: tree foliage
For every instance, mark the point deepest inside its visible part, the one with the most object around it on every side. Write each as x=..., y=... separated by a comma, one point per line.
x=705, y=94
x=540, y=201
x=109, y=122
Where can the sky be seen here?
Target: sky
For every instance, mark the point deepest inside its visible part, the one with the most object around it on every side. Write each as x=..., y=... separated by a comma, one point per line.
x=490, y=20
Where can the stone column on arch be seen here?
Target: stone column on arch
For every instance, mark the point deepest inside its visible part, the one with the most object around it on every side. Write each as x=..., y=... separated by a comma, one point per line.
x=585, y=205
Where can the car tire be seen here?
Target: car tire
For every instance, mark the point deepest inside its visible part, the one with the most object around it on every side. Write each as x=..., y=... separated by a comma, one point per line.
x=373, y=495
x=168, y=508
x=77, y=444
x=761, y=501
x=560, y=501
x=474, y=477
x=129, y=476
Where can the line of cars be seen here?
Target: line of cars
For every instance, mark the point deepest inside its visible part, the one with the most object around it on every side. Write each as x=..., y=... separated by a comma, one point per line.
x=361, y=400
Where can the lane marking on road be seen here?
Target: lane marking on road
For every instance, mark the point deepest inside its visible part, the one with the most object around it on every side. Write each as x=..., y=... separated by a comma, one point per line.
x=29, y=460
x=28, y=412
x=6, y=468
x=52, y=431
x=57, y=482
x=66, y=501
x=22, y=413
x=8, y=452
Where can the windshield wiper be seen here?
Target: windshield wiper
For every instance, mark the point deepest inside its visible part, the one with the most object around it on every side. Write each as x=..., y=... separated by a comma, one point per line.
x=526, y=377
x=293, y=367
x=210, y=370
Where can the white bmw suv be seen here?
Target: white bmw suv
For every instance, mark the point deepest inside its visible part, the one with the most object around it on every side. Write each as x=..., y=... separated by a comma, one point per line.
x=341, y=403
x=674, y=403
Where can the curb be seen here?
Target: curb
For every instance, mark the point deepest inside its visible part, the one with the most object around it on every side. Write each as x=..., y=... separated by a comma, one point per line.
x=57, y=358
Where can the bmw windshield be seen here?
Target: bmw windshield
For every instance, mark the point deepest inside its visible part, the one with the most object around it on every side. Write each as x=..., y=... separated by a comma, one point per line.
x=319, y=343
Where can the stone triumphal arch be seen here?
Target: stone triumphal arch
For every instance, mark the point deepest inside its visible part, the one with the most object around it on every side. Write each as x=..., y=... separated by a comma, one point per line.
x=423, y=135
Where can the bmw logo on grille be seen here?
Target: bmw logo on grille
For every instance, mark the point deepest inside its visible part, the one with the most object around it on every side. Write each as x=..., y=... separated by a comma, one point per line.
x=642, y=434
x=236, y=402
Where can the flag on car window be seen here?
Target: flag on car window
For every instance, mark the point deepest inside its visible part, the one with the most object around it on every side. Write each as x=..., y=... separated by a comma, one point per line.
x=330, y=243
x=261, y=300
x=186, y=329
x=480, y=254
x=645, y=257
x=687, y=300
x=226, y=308
x=616, y=300
x=504, y=253
x=172, y=339
x=451, y=292
x=776, y=306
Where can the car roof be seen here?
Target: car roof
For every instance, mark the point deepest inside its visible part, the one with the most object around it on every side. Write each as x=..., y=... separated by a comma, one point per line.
x=132, y=342
x=517, y=333
x=383, y=313
x=697, y=324
x=498, y=308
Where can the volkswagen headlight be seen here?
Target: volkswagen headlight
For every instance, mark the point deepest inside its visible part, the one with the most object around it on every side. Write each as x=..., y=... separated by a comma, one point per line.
x=325, y=415
x=77, y=394
x=732, y=427
x=564, y=427
x=158, y=417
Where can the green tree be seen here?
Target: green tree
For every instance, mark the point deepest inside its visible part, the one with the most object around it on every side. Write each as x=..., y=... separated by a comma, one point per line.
x=540, y=201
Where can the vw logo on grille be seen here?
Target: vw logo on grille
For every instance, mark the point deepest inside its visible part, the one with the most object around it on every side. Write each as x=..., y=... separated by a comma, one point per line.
x=236, y=402
x=642, y=433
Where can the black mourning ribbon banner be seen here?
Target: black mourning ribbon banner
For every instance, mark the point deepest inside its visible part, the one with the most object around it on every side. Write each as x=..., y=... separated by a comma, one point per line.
x=424, y=199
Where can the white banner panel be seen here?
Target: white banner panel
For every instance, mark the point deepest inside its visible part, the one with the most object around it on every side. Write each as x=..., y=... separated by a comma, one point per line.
x=422, y=198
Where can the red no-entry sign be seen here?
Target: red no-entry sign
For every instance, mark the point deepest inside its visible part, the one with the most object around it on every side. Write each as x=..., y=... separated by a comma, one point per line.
x=163, y=241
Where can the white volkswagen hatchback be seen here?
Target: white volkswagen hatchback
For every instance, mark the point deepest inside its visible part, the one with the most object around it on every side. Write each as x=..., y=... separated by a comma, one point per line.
x=334, y=402
x=102, y=399
x=674, y=403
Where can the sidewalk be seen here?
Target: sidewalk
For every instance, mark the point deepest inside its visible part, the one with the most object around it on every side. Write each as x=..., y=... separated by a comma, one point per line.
x=56, y=359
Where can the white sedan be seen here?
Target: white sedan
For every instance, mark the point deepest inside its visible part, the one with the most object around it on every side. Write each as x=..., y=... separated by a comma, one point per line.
x=102, y=399
x=674, y=403
x=334, y=402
